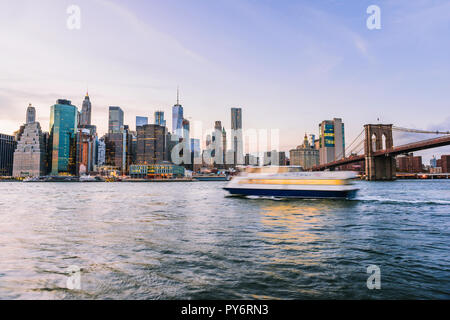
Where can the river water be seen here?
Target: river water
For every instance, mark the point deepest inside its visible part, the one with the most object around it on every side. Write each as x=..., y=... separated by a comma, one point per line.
x=190, y=241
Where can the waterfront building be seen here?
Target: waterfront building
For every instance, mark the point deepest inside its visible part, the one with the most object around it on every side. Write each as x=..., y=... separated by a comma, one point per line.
x=86, y=151
x=7, y=147
x=115, y=124
x=237, y=135
x=435, y=170
x=332, y=140
x=86, y=110
x=305, y=155
x=151, y=144
x=63, y=129
x=141, y=121
x=115, y=151
x=165, y=170
x=118, y=150
x=31, y=114
x=30, y=154
x=445, y=163
x=159, y=118
x=101, y=152
x=433, y=162
x=409, y=164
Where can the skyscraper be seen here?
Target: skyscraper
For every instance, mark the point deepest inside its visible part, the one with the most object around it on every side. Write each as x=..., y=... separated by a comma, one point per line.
x=118, y=149
x=236, y=134
x=63, y=128
x=30, y=154
x=159, y=118
x=86, y=151
x=332, y=140
x=177, y=118
x=141, y=121
x=86, y=111
x=31, y=114
x=151, y=144
x=115, y=120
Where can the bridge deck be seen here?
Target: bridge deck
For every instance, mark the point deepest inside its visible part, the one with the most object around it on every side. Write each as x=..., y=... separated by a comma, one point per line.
x=403, y=149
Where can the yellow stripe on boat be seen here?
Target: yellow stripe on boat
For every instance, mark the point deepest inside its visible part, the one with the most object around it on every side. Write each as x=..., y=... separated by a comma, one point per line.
x=295, y=181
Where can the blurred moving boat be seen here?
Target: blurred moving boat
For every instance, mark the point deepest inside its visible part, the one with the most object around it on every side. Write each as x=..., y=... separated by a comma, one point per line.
x=292, y=182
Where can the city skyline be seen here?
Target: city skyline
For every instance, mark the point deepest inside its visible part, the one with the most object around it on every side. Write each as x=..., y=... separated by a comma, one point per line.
x=358, y=75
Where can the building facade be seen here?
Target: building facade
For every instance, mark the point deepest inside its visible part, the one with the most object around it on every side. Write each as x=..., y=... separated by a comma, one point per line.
x=86, y=151
x=101, y=152
x=445, y=163
x=305, y=155
x=115, y=124
x=409, y=164
x=7, y=147
x=86, y=110
x=30, y=155
x=31, y=114
x=331, y=140
x=151, y=144
x=159, y=118
x=177, y=120
x=63, y=129
x=119, y=150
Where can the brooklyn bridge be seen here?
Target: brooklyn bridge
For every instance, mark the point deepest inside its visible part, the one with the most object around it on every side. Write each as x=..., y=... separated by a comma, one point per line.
x=375, y=146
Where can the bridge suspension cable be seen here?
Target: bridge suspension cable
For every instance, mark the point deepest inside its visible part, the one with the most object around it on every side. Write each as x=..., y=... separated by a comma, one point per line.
x=418, y=131
x=340, y=156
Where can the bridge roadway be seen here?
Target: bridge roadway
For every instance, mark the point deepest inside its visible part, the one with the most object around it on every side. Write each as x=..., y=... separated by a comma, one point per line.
x=394, y=151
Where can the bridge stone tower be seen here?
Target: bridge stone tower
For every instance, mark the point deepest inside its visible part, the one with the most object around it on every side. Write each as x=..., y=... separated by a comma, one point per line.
x=379, y=137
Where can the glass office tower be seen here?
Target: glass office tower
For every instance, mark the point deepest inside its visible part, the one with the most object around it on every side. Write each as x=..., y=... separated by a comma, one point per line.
x=63, y=129
x=159, y=118
x=115, y=124
x=177, y=120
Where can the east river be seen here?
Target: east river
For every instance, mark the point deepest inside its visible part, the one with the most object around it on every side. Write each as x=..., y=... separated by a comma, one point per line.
x=191, y=241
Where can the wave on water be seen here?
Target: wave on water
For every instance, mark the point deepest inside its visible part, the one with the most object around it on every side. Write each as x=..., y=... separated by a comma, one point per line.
x=400, y=201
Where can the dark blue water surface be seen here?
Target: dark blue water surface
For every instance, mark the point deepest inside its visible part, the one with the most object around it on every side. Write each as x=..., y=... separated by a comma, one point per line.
x=190, y=241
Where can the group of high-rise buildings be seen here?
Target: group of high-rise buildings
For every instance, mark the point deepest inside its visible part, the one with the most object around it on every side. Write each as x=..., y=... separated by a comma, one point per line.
x=72, y=145
x=329, y=147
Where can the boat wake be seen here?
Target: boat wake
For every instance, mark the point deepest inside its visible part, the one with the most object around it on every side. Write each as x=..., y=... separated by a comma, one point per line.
x=400, y=201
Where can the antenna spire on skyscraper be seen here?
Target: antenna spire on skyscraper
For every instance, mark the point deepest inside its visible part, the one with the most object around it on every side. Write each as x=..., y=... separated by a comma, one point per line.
x=178, y=95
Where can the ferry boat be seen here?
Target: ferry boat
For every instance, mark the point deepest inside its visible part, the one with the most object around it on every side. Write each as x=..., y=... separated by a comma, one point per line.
x=293, y=182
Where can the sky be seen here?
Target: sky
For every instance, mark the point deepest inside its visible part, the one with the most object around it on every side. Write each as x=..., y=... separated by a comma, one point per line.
x=288, y=64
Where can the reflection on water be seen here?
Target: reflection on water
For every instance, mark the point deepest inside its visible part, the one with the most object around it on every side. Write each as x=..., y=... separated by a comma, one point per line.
x=190, y=241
